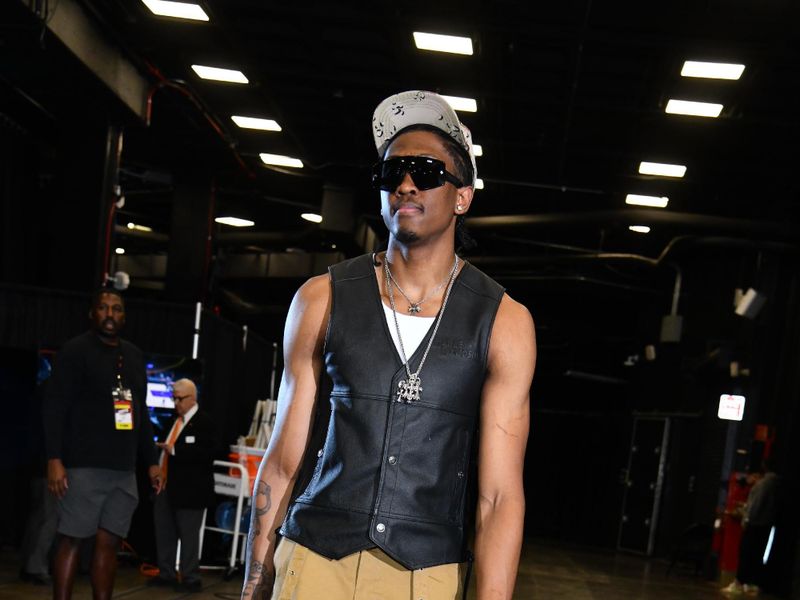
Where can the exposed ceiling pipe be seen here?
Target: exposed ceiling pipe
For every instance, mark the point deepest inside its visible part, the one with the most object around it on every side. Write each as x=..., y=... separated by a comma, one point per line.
x=746, y=227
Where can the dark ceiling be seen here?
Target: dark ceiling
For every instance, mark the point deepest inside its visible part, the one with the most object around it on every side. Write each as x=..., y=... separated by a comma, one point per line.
x=571, y=97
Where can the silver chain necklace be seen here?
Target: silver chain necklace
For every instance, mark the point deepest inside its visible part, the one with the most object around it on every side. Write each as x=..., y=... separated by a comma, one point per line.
x=414, y=307
x=409, y=390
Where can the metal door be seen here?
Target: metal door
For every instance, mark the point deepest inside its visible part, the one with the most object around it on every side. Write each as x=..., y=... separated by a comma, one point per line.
x=644, y=480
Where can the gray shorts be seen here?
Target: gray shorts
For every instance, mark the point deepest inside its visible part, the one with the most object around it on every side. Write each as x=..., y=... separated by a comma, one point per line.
x=97, y=499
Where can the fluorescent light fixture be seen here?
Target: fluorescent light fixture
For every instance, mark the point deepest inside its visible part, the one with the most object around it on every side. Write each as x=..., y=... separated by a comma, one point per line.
x=179, y=10
x=313, y=217
x=478, y=183
x=712, y=70
x=462, y=104
x=453, y=44
x=694, y=109
x=281, y=160
x=640, y=228
x=639, y=200
x=136, y=227
x=234, y=221
x=662, y=169
x=256, y=123
x=219, y=74
x=119, y=250
x=731, y=407
x=477, y=149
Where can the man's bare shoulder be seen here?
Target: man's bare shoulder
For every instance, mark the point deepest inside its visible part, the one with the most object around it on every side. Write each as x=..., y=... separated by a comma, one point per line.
x=513, y=335
x=513, y=317
x=315, y=291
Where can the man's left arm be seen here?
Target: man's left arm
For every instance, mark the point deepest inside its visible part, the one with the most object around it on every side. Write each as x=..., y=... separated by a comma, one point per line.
x=504, y=424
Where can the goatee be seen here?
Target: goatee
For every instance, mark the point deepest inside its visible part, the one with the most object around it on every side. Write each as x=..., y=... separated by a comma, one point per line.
x=404, y=236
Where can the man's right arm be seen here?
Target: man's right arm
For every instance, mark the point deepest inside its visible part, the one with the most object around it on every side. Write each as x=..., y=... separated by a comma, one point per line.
x=59, y=392
x=304, y=336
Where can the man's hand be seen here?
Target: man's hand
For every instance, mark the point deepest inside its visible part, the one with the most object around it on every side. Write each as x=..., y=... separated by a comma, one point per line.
x=154, y=472
x=258, y=582
x=57, y=477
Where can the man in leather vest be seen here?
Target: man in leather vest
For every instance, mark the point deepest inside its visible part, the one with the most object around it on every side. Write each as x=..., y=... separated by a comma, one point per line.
x=404, y=403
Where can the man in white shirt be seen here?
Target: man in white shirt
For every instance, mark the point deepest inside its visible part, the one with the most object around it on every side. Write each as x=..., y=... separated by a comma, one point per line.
x=187, y=464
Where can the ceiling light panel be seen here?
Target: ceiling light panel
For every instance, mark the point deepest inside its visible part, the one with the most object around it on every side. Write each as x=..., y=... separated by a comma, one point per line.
x=654, y=201
x=478, y=183
x=477, y=149
x=177, y=10
x=661, y=169
x=256, y=123
x=712, y=70
x=313, y=217
x=219, y=74
x=280, y=160
x=694, y=109
x=462, y=104
x=451, y=44
x=639, y=228
x=234, y=221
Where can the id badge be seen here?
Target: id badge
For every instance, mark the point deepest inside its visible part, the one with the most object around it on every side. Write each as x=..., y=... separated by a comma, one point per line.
x=123, y=408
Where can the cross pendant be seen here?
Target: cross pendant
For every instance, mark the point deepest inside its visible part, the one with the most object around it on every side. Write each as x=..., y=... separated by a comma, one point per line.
x=414, y=308
x=409, y=391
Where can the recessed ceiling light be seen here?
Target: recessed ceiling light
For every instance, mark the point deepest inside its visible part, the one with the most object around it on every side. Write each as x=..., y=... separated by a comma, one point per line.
x=462, y=104
x=477, y=149
x=313, y=217
x=136, y=227
x=694, y=109
x=179, y=10
x=234, y=221
x=256, y=123
x=639, y=228
x=478, y=183
x=119, y=250
x=443, y=43
x=712, y=70
x=281, y=160
x=639, y=200
x=662, y=169
x=219, y=74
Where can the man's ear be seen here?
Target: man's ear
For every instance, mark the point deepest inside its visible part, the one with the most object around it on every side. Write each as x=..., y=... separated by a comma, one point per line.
x=463, y=200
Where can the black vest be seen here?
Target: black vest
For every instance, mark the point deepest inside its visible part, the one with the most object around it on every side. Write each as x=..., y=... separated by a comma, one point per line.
x=384, y=473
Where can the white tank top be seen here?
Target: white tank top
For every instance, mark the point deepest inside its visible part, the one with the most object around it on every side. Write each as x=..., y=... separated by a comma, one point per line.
x=413, y=329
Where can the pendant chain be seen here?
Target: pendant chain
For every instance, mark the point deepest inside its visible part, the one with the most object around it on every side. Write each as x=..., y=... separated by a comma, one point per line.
x=409, y=391
x=414, y=307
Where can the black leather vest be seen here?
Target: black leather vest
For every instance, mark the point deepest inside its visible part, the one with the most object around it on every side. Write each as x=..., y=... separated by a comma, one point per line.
x=384, y=473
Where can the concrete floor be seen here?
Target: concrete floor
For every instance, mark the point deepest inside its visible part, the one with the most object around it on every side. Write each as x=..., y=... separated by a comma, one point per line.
x=547, y=572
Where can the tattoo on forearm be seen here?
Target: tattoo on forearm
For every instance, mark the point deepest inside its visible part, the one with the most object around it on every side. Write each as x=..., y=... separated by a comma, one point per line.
x=259, y=582
x=258, y=578
x=263, y=489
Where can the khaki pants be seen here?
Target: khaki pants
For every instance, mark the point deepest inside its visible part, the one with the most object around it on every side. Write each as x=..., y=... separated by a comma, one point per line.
x=301, y=574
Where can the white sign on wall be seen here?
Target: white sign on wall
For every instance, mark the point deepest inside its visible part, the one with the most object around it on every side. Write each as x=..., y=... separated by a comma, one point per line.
x=731, y=407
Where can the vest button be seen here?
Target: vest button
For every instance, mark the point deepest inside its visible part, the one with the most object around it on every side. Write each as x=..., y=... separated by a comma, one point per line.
x=380, y=527
x=392, y=460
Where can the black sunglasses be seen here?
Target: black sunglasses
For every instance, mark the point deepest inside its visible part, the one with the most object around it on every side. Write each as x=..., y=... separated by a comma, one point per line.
x=427, y=173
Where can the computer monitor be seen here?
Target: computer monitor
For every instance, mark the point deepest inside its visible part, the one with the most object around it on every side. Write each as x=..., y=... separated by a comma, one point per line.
x=162, y=372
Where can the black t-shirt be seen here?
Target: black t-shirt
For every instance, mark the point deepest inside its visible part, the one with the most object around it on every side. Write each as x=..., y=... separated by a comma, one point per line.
x=79, y=417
